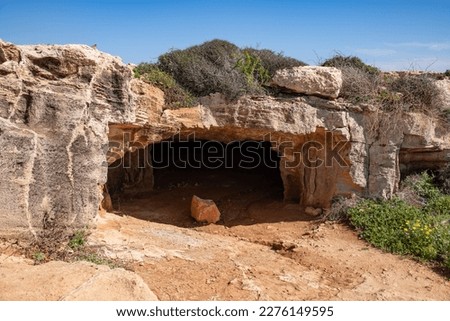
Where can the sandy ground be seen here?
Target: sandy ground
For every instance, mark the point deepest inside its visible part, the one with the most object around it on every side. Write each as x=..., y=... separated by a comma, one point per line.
x=262, y=249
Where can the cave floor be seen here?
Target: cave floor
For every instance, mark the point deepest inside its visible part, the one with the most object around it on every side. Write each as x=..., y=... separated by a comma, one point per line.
x=262, y=249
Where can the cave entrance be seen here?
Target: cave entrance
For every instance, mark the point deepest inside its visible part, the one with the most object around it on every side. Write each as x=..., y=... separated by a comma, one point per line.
x=242, y=178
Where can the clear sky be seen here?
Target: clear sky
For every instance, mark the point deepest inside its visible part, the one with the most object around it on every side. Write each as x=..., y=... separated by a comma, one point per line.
x=404, y=34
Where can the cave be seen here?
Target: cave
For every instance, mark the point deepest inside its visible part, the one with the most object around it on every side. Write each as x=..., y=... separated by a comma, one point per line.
x=243, y=178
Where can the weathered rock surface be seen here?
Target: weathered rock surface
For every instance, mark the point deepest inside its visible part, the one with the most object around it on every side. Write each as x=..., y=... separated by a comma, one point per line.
x=204, y=211
x=68, y=112
x=61, y=281
x=310, y=80
x=55, y=106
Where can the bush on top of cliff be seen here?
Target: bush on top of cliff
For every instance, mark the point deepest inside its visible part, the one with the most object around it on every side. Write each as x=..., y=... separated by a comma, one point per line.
x=175, y=95
x=341, y=62
x=273, y=61
x=417, y=93
x=220, y=66
x=362, y=83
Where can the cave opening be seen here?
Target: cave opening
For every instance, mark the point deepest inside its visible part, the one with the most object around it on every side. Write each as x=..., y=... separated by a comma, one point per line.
x=241, y=177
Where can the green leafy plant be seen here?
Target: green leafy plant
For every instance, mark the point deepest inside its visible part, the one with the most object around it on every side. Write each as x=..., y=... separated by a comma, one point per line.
x=175, y=95
x=272, y=61
x=38, y=257
x=78, y=240
x=97, y=259
x=253, y=69
x=420, y=229
x=447, y=73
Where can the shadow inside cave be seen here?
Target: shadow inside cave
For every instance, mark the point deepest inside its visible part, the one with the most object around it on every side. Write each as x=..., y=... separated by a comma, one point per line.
x=242, y=178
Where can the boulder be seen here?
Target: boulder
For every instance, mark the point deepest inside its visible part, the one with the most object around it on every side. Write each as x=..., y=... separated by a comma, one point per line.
x=310, y=80
x=204, y=211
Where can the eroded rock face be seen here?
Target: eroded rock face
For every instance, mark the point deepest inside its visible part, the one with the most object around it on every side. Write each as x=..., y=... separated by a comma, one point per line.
x=310, y=80
x=55, y=106
x=67, y=112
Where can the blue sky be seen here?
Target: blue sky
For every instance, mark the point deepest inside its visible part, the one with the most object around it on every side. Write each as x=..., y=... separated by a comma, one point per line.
x=394, y=35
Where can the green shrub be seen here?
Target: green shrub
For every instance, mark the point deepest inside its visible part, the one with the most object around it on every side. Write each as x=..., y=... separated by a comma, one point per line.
x=208, y=68
x=175, y=95
x=253, y=69
x=215, y=66
x=423, y=185
x=396, y=226
x=447, y=73
x=339, y=61
x=97, y=259
x=39, y=257
x=273, y=61
x=152, y=74
x=78, y=240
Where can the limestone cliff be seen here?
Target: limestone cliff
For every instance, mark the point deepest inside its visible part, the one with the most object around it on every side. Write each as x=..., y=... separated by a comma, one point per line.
x=55, y=106
x=67, y=112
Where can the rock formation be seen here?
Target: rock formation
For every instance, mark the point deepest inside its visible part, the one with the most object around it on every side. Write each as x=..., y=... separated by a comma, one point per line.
x=310, y=80
x=61, y=281
x=204, y=211
x=68, y=112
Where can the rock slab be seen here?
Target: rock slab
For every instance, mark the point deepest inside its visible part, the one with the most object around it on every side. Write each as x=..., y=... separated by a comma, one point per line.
x=79, y=281
x=310, y=80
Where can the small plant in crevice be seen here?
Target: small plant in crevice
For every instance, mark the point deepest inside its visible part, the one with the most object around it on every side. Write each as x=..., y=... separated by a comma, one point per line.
x=98, y=259
x=38, y=257
x=81, y=251
x=78, y=240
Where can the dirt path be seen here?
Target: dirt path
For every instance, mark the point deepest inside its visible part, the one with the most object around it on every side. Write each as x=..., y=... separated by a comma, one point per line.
x=262, y=249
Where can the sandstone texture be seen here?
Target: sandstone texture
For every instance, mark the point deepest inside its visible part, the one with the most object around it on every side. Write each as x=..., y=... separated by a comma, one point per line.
x=204, y=211
x=61, y=281
x=55, y=106
x=73, y=118
x=310, y=80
